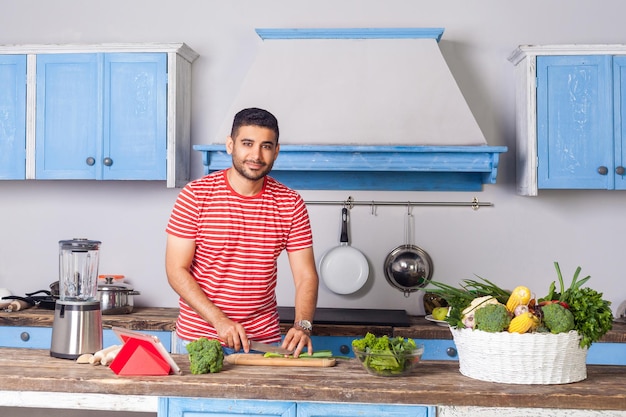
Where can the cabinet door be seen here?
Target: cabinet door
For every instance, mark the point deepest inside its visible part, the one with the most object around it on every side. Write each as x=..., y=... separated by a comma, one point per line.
x=197, y=407
x=354, y=410
x=135, y=116
x=25, y=337
x=574, y=122
x=619, y=98
x=12, y=117
x=68, y=126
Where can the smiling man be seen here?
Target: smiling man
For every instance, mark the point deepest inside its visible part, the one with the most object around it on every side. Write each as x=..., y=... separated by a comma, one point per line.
x=224, y=236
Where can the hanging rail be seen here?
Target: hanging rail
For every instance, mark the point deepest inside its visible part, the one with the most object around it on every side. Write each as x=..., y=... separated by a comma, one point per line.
x=350, y=203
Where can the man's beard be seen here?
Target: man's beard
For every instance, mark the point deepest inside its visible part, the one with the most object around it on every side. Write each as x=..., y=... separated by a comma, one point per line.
x=252, y=175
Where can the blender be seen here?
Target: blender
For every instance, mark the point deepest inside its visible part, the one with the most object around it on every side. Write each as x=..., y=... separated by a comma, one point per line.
x=77, y=325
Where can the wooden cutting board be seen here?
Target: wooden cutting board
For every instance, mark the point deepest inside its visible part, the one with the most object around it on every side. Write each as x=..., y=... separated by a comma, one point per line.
x=259, y=359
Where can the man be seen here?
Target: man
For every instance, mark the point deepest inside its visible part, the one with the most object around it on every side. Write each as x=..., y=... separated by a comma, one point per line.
x=224, y=236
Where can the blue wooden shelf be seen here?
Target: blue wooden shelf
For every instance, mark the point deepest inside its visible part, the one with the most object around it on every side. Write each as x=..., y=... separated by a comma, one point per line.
x=376, y=168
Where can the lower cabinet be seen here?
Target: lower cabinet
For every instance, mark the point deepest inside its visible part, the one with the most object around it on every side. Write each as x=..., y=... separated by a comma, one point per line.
x=601, y=353
x=40, y=337
x=434, y=349
x=196, y=407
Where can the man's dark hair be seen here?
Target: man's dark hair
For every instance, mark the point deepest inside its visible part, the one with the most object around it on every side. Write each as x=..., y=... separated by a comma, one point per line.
x=254, y=117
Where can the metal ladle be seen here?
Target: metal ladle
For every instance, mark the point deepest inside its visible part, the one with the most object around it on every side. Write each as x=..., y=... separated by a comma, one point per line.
x=408, y=267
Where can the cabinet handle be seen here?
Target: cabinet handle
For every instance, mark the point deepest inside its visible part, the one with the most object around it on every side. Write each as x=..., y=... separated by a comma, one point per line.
x=603, y=170
x=451, y=352
x=107, y=162
x=25, y=336
x=620, y=170
x=345, y=349
x=90, y=161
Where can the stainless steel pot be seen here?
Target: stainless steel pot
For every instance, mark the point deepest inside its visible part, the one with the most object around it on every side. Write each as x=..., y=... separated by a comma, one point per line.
x=408, y=267
x=116, y=298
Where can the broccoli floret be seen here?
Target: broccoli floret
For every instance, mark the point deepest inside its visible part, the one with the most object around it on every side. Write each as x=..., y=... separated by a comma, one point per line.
x=492, y=318
x=205, y=356
x=557, y=318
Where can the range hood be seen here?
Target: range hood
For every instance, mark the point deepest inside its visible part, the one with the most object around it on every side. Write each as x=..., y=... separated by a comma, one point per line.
x=359, y=107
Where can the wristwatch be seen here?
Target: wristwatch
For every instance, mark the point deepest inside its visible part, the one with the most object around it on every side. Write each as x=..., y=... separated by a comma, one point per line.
x=304, y=325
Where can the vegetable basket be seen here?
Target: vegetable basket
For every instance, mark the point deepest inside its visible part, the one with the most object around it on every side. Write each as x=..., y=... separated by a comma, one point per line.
x=513, y=358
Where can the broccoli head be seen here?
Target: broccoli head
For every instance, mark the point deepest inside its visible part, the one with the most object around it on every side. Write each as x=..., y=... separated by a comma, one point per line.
x=205, y=356
x=557, y=318
x=492, y=318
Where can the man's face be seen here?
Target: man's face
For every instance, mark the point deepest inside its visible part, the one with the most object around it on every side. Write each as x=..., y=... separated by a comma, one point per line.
x=254, y=151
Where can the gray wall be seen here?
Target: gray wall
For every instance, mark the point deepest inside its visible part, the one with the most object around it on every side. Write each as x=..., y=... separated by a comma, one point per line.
x=513, y=243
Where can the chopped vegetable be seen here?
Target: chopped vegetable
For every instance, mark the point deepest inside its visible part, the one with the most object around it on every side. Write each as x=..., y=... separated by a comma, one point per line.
x=394, y=352
x=304, y=355
x=205, y=356
x=492, y=318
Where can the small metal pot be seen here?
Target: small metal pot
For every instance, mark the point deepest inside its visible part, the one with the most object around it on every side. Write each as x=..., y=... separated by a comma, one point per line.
x=116, y=298
x=408, y=267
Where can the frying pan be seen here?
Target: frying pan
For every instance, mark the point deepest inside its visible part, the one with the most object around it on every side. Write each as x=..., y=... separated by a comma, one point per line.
x=344, y=269
x=408, y=267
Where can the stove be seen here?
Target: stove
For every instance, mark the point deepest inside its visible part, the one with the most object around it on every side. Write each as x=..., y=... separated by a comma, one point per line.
x=360, y=316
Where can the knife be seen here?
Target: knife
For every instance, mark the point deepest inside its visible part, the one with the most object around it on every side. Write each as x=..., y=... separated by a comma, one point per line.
x=264, y=347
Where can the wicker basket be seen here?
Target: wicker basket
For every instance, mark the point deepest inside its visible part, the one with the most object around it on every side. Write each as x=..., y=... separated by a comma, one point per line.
x=512, y=358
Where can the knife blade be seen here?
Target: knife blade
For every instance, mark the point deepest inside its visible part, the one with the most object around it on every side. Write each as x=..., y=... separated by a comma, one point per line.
x=264, y=347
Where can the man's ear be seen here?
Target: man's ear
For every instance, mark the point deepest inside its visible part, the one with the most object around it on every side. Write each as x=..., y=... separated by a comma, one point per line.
x=229, y=145
x=277, y=151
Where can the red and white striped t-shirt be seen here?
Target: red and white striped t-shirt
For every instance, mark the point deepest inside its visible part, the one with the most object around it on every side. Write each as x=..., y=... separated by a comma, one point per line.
x=238, y=240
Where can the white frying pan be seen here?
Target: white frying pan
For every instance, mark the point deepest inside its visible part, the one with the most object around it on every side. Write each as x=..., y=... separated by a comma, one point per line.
x=344, y=269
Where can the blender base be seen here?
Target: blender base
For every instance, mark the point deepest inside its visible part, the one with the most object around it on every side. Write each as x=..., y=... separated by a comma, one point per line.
x=76, y=329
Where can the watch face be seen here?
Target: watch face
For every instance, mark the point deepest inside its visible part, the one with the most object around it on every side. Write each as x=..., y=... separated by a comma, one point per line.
x=305, y=324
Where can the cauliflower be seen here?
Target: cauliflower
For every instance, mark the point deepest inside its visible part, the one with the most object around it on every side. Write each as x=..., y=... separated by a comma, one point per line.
x=205, y=356
x=492, y=318
x=477, y=303
x=557, y=318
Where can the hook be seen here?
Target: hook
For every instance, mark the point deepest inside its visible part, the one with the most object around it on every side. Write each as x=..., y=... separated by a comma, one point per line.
x=373, y=209
x=475, y=205
x=408, y=208
x=349, y=203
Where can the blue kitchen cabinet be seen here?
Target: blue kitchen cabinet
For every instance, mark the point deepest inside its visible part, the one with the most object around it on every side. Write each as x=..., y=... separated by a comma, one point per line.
x=570, y=108
x=434, y=349
x=574, y=122
x=40, y=337
x=196, y=407
x=12, y=117
x=101, y=116
x=309, y=409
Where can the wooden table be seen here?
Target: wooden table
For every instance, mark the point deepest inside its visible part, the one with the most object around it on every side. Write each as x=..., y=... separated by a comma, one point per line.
x=433, y=383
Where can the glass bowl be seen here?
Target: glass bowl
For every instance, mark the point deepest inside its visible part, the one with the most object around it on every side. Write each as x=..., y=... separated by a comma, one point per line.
x=381, y=364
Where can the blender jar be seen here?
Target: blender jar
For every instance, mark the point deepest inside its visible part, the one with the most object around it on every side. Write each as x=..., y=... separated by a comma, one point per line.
x=78, y=269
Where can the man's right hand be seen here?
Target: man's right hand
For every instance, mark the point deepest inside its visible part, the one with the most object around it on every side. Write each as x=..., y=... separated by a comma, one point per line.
x=232, y=334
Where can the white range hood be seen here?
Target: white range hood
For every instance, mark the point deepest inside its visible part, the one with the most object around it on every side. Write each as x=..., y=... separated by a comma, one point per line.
x=385, y=92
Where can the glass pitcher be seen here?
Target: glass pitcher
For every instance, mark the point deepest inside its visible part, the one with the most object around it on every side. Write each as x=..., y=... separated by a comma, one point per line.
x=78, y=269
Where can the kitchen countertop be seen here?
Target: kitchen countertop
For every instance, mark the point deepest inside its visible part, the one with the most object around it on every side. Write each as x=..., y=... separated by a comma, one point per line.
x=433, y=382
x=153, y=318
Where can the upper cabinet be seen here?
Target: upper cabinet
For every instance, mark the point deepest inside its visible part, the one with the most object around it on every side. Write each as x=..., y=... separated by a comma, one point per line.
x=570, y=105
x=105, y=112
x=12, y=116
